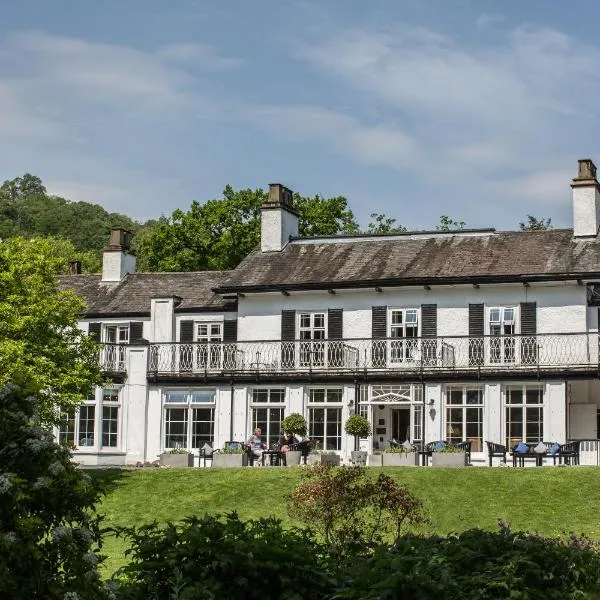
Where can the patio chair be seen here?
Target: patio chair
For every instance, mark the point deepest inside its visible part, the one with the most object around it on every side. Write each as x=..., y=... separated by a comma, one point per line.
x=568, y=453
x=431, y=447
x=205, y=454
x=466, y=446
x=496, y=450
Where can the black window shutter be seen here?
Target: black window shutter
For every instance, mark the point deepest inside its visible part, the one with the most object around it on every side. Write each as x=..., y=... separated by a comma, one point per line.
x=379, y=322
x=476, y=329
x=428, y=320
x=528, y=318
x=429, y=330
x=379, y=332
x=335, y=323
x=186, y=331
x=136, y=333
x=94, y=330
x=529, y=346
x=288, y=335
x=230, y=331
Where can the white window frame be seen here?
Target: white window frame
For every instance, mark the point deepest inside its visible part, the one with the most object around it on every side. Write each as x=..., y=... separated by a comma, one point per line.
x=328, y=406
x=502, y=328
x=524, y=405
x=118, y=404
x=209, y=345
x=267, y=404
x=403, y=347
x=464, y=407
x=188, y=405
x=312, y=336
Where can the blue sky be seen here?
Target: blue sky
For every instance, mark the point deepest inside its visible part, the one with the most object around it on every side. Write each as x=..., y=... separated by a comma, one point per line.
x=477, y=109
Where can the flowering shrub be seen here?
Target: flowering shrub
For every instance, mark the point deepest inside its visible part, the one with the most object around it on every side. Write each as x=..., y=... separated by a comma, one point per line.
x=350, y=509
x=49, y=539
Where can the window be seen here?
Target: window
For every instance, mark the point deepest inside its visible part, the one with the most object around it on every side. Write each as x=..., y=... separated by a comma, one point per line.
x=110, y=418
x=189, y=418
x=312, y=326
x=87, y=425
x=266, y=413
x=115, y=338
x=404, y=326
x=464, y=416
x=502, y=328
x=325, y=417
x=66, y=428
x=209, y=350
x=524, y=405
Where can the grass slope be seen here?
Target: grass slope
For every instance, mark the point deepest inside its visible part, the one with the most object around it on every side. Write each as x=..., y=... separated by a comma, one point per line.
x=551, y=501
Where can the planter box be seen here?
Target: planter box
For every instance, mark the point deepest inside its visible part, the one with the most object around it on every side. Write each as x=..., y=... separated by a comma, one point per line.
x=177, y=460
x=292, y=458
x=375, y=460
x=358, y=458
x=399, y=459
x=449, y=459
x=229, y=461
x=324, y=459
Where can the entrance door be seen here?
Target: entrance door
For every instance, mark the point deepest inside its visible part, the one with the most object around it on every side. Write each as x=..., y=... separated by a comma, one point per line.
x=401, y=424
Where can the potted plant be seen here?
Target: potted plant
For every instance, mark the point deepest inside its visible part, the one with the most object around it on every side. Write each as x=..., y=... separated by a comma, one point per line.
x=400, y=455
x=359, y=427
x=449, y=455
x=177, y=457
x=295, y=424
x=230, y=458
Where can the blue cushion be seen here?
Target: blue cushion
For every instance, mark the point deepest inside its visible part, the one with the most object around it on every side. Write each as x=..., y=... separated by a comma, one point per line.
x=555, y=448
x=522, y=447
x=439, y=445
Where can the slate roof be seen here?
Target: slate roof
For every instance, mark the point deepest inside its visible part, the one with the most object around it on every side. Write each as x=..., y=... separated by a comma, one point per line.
x=407, y=259
x=131, y=296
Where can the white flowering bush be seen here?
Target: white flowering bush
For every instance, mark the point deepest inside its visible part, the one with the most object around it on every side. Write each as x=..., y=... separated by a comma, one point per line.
x=50, y=537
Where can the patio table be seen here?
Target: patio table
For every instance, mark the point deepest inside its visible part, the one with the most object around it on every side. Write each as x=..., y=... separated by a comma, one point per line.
x=276, y=458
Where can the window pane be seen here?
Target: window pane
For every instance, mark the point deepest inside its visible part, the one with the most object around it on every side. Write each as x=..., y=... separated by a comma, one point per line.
x=205, y=396
x=334, y=395
x=110, y=420
x=110, y=395
x=474, y=396
x=123, y=334
x=202, y=330
x=454, y=396
x=514, y=396
x=66, y=430
x=411, y=316
x=509, y=314
x=319, y=320
x=178, y=396
x=87, y=425
x=203, y=427
x=317, y=395
x=396, y=317
x=305, y=321
x=176, y=427
x=495, y=315
x=534, y=396
x=277, y=396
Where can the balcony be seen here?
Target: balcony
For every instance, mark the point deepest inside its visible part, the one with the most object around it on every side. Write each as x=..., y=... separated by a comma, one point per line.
x=112, y=359
x=408, y=358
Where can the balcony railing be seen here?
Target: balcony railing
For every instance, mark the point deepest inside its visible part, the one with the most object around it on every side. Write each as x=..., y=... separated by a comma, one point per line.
x=402, y=355
x=112, y=358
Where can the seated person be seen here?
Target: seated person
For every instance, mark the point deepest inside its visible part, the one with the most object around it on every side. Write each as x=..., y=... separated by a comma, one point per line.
x=255, y=443
x=286, y=440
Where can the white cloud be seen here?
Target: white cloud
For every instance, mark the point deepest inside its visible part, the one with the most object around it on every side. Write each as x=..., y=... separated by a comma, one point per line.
x=489, y=20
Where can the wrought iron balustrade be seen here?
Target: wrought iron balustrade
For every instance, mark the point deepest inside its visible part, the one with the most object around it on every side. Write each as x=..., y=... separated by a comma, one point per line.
x=112, y=358
x=431, y=354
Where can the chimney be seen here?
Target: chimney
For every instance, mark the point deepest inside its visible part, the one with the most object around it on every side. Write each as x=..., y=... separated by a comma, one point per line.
x=279, y=219
x=586, y=200
x=116, y=261
x=74, y=267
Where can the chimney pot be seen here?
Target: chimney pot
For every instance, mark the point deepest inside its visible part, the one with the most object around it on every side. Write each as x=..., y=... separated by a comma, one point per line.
x=587, y=169
x=120, y=238
x=74, y=267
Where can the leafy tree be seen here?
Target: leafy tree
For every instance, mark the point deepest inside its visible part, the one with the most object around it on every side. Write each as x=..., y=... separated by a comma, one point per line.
x=41, y=347
x=535, y=224
x=220, y=233
x=21, y=187
x=49, y=538
x=381, y=223
x=447, y=224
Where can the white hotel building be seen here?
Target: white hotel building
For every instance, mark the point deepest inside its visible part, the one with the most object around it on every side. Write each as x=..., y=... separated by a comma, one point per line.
x=475, y=335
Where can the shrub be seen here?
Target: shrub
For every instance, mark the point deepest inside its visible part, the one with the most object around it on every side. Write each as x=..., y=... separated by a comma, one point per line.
x=358, y=426
x=295, y=424
x=177, y=451
x=477, y=564
x=233, y=451
x=449, y=449
x=49, y=536
x=223, y=558
x=349, y=509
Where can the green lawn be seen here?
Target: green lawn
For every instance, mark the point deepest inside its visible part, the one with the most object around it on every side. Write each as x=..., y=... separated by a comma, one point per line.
x=551, y=501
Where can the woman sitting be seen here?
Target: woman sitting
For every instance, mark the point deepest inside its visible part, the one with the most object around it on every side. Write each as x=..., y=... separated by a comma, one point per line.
x=285, y=441
x=256, y=445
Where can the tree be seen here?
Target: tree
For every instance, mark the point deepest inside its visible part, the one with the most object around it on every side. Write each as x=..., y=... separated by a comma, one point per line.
x=21, y=187
x=535, y=224
x=447, y=224
x=49, y=538
x=381, y=223
x=41, y=346
x=220, y=233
